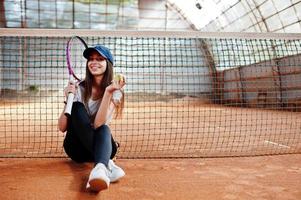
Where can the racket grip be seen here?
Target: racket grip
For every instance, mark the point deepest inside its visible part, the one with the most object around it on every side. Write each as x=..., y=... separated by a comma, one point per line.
x=117, y=95
x=69, y=104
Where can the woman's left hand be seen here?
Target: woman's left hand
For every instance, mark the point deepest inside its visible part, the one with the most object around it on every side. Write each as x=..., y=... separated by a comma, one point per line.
x=116, y=85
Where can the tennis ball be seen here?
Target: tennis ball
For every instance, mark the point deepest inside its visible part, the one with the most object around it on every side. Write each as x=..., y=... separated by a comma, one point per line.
x=119, y=77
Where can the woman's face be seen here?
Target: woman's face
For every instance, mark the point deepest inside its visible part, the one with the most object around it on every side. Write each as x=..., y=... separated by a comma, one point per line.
x=97, y=64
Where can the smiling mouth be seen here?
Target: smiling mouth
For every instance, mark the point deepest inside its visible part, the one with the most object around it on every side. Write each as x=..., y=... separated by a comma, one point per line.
x=94, y=67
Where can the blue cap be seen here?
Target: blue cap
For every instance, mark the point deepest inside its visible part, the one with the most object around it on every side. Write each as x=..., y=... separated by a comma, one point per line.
x=102, y=50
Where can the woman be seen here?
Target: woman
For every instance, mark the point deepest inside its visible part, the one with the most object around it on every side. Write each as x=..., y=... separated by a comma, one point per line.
x=88, y=137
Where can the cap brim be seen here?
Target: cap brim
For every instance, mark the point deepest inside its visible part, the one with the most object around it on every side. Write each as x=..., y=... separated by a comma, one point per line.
x=88, y=51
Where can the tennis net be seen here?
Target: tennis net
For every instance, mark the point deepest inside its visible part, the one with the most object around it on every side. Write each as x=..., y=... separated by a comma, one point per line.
x=188, y=94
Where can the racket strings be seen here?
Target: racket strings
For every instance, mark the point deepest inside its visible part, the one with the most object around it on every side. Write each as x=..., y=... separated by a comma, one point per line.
x=78, y=61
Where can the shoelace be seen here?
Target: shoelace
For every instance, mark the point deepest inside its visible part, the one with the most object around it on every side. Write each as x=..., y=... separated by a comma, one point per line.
x=107, y=171
x=110, y=167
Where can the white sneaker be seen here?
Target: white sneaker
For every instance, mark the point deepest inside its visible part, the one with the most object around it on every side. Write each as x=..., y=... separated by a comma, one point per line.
x=99, y=178
x=115, y=172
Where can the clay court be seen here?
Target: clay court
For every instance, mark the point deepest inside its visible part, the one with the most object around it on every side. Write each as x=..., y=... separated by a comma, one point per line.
x=251, y=174
x=263, y=177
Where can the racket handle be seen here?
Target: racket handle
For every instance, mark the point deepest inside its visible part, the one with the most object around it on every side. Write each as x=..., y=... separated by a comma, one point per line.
x=69, y=104
x=117, y=95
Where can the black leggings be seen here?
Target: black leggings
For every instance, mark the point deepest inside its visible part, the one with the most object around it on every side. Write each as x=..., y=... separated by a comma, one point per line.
x=83, y=143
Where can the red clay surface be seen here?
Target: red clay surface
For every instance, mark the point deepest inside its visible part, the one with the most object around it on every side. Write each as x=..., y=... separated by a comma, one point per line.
x=254, y=178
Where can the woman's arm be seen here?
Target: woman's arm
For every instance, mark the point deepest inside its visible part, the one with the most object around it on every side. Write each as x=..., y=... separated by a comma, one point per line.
x=63, y=121
x=104, y=108
x=101, y=115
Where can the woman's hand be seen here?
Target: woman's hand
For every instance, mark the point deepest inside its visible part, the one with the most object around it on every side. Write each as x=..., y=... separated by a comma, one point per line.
x=116, y=84
x=71, y=88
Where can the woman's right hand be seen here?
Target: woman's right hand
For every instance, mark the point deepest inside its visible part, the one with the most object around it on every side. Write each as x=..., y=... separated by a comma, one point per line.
x=71, y=88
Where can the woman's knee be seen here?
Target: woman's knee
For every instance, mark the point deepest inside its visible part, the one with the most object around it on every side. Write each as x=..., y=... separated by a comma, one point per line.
x=79, y=113
x=102, y=133
x=79, y=118
x=78, y=107
x=103, y=129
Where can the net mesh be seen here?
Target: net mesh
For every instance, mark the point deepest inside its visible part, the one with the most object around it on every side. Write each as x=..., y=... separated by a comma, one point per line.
x=185, y=96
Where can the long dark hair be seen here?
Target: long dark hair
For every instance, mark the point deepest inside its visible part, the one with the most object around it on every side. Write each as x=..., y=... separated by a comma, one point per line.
x=106, y=81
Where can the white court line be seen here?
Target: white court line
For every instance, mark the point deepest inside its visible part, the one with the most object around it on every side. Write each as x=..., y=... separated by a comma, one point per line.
x=277, y=144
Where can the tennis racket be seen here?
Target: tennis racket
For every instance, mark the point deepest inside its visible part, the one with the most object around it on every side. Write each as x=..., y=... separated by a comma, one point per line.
x=76, y=65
